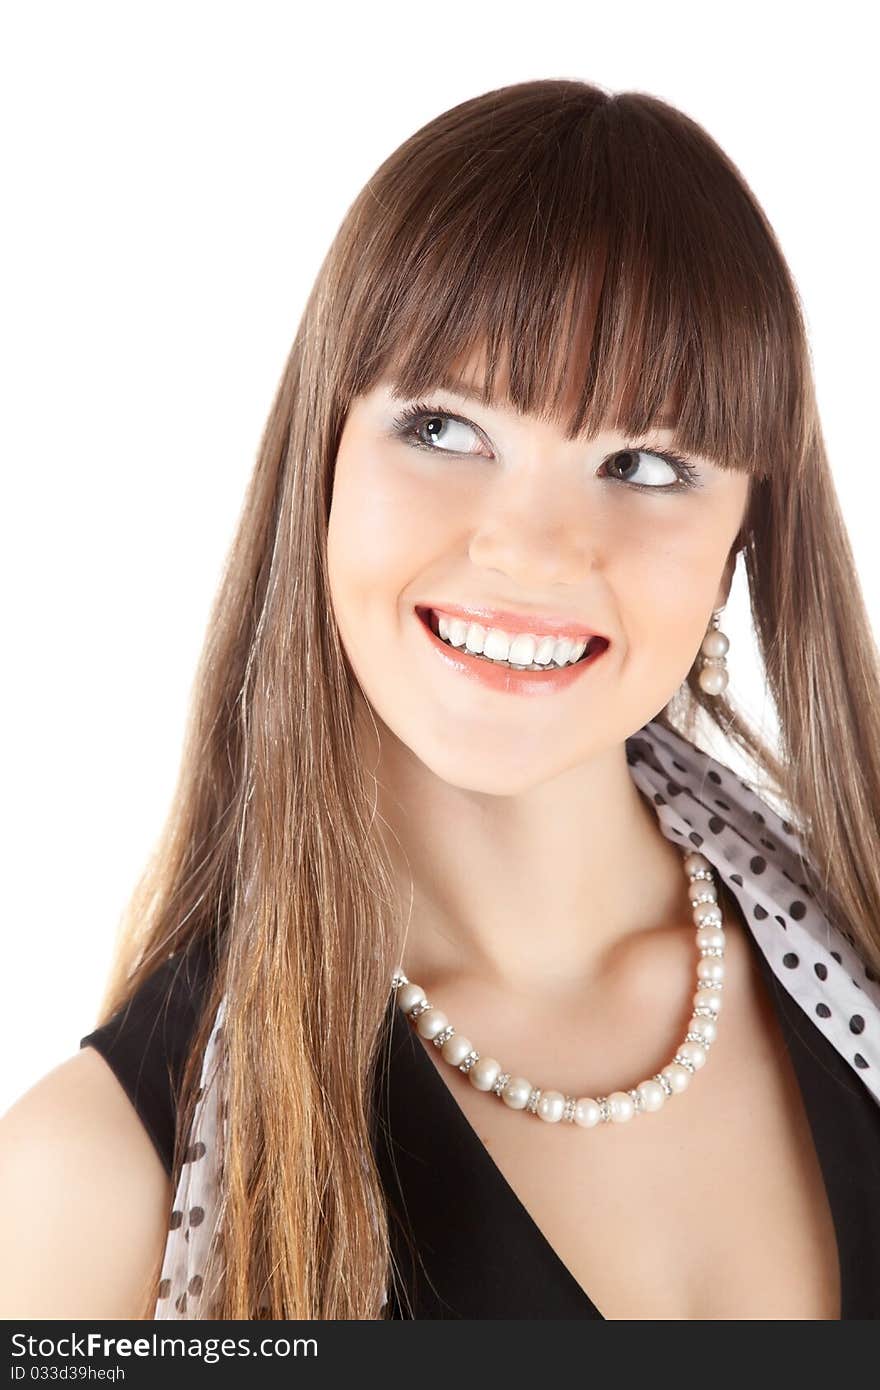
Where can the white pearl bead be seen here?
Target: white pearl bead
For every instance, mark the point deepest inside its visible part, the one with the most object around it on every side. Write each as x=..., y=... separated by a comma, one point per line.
x=409, y=995
x=702, y=890
x=715, y=643
x=710, y=968
x=431, y=1022
x=456, y=1048
x=621, y=1107
x=484, y=1073
x=586, y=1112
x=652, y=1094
x=516, y=1093
x=695, y=861
x=706, y=1027
x=708, y=999
x=551, y=1104
x=706, y=915
x=692, y=1052
x=677, y=1076
x=711, y=936
x=713, y=679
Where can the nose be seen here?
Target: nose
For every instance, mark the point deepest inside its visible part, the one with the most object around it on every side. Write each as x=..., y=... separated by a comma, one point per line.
x=535, y=545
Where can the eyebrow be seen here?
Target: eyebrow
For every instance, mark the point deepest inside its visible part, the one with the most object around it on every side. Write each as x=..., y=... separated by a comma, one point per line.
x=470, y=393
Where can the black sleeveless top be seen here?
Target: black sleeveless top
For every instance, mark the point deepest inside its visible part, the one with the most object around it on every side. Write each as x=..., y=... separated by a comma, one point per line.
x=474, y=1251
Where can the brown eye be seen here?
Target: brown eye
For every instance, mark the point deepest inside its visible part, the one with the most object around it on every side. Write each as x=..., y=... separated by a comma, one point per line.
x=445, y=432
x=650, y=468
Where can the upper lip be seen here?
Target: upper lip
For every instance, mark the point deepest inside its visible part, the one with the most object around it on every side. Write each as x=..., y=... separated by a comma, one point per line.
x=539, y=624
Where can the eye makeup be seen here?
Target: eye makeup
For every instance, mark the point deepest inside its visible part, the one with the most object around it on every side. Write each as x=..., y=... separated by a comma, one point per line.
x=407, y=424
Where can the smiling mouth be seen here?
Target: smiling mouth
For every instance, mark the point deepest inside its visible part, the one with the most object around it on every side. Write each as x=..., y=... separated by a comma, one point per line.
x=594, y=646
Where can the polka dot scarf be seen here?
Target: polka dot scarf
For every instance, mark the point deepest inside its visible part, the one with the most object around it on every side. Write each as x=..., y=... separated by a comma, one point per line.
x=698, y=802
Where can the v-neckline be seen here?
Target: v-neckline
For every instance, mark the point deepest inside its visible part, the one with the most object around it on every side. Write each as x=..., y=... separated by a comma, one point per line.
x=473, y=1157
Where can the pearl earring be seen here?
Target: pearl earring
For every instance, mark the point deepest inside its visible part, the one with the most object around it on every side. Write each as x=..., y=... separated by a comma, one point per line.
x=713, y=675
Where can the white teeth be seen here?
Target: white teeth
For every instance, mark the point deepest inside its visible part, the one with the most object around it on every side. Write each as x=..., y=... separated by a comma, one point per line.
x=522, y=649
x=544, y=651
x=497, y=644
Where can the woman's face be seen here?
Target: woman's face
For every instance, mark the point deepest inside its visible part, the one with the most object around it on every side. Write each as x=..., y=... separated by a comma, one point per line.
x=479, y=508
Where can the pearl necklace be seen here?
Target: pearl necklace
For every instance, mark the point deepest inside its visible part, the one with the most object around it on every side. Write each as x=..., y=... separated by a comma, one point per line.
x=517, y=1092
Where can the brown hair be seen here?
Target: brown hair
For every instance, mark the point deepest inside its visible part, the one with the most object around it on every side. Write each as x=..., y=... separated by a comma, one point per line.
x=607, y=250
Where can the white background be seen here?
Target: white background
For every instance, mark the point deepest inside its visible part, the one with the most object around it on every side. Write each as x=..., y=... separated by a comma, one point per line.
x=172, y=175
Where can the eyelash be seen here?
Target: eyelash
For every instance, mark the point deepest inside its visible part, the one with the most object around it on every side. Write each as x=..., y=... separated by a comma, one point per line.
x=406, y=424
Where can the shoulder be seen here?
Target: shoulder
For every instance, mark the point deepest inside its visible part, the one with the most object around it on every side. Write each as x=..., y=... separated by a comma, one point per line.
x=84, y=1199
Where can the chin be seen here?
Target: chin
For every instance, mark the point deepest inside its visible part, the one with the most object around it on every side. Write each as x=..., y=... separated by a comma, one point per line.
x=484, y=774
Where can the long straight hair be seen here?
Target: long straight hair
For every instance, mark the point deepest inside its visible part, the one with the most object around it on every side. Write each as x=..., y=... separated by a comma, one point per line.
x=605, y=249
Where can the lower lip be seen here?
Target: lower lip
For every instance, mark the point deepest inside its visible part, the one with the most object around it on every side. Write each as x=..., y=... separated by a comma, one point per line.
x=504, y=678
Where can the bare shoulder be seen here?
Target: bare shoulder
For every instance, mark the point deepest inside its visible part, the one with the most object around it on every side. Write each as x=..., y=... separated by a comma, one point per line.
x=84, y=1198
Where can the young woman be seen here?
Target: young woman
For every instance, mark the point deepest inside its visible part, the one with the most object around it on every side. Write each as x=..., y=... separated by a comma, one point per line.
x=465, y=982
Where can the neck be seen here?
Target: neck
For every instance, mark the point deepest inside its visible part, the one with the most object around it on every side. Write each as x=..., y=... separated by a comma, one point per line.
x=551, y=889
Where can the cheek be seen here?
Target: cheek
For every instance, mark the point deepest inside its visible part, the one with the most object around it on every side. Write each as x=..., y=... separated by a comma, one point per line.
x=381, y=535
x=666, y=597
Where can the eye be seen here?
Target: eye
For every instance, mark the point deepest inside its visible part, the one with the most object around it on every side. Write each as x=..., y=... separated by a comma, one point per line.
x=655, y=473
x=435, y=430
x=438, y=431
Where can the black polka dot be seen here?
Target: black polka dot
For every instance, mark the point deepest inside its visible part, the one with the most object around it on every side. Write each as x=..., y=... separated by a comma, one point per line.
x=857, y=1024
x=725, y=806
x=176, y=1218
x=797, y=910
x=869, y=975
x=757, y=864
x=790, y=959
x=836, y=956
x=687, y=821
x=194, y=1152
x=787, y=875
x=737, y=879
x=713, y=777
x=821, y=970
x=859, y=1060
x=672, y=788
x=716, y=824
x=695, y=838
x=856, y=983
x=768, y=844
x=659, y=800
x=786, y=827
x=781, y=920
x=196, y=1216
x=678, y=766
x=195, y=1285
x=823, y=1011
x=164, y=1288
x=760, y=912
x=758, y=817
